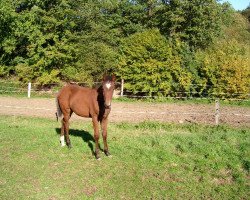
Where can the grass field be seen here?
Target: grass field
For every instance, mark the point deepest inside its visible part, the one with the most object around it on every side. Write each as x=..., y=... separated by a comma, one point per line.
x=150, y=161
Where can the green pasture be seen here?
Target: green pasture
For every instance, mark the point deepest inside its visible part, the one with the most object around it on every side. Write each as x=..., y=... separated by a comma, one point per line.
x=150, y=161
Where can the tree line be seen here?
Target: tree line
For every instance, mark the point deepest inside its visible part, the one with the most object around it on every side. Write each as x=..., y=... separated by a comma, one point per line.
x=160, y=47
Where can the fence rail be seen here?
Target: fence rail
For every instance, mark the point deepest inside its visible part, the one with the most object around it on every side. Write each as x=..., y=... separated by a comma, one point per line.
x=29, y=90
x=32, y=88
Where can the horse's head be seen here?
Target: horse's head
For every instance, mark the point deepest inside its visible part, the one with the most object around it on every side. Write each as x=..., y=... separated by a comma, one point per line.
x=108, y=85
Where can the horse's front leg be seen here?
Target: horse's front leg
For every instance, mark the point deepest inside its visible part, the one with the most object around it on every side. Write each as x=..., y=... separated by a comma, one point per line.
x=96, y=136
x=104, y=124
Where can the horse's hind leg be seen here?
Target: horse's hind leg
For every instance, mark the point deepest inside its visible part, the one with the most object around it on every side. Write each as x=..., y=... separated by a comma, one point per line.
x=62, y=140
x=65, y=127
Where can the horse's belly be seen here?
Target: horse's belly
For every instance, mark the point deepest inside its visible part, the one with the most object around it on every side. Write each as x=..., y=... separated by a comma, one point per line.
x=81, y=111
x=81, y=103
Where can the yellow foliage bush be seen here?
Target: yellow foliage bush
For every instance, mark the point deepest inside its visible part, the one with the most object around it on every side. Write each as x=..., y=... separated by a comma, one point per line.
x=226, y=69
x=149, y=65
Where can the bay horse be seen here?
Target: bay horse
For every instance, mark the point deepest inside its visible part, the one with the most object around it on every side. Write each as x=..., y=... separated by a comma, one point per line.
x=93, y=103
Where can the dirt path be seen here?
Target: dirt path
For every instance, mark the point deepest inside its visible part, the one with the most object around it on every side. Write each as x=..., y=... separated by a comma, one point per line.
x=134, y=112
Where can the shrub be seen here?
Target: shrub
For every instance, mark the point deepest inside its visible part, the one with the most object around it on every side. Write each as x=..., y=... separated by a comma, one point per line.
x=150, y=65
x=225, y=67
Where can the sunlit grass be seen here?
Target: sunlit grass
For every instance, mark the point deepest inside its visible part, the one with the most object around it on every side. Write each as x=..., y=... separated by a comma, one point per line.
x=150, y=161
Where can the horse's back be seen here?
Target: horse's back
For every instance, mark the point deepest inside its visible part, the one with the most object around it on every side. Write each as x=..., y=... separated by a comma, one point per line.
x=66, y=92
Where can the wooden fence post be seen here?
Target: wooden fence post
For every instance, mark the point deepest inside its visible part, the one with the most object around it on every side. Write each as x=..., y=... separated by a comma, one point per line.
x=122, y=86
x=29, y=89
x=217, y=112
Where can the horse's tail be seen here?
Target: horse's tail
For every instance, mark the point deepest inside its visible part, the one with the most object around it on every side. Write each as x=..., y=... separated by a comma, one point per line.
x=58, y=110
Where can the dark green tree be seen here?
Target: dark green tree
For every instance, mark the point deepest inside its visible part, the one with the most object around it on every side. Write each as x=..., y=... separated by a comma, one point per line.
x=196, y=22
x=246, y=13
x=42, y=40
x=45, y=41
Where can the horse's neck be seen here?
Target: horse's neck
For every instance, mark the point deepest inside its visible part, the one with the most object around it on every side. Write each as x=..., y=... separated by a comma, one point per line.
x=100, y=96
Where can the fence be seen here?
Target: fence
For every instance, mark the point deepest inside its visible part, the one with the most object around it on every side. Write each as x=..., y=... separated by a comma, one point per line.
x=51, y=89
x=172, y=94
x=29, y=90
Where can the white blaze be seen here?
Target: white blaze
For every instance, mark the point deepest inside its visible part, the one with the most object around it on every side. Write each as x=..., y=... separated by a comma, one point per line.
x=108, y=85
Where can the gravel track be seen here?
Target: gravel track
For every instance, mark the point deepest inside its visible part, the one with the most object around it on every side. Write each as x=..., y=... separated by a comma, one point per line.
x=134, y=112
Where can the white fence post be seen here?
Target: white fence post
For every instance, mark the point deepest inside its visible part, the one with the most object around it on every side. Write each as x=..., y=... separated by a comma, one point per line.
x=29, y=89
x=217, y=112
x=122, y=86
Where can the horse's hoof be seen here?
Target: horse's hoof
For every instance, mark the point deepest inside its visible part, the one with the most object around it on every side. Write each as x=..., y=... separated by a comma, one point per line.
x=110, y=156
x=107, y=154
x=62, y=144
x=99, y=159
x=69, y=146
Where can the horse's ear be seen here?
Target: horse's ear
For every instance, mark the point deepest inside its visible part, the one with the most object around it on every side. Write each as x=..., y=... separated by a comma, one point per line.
x=113, y=78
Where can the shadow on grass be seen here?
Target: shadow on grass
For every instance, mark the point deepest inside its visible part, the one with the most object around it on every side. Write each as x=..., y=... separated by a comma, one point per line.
x=86, y=137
